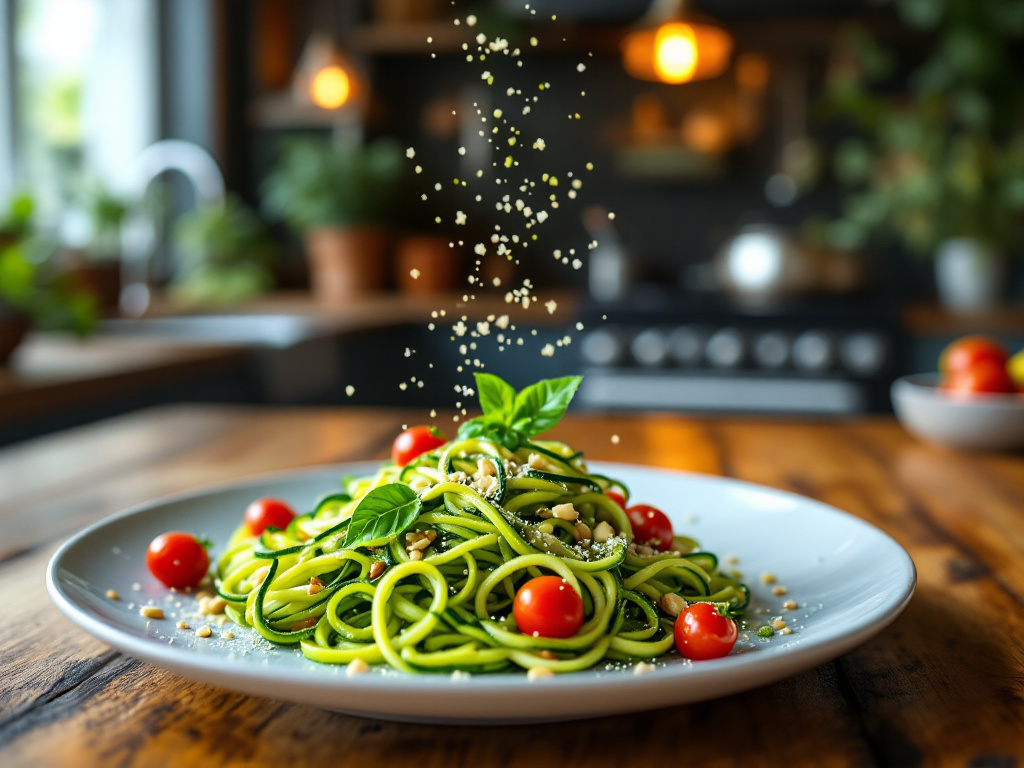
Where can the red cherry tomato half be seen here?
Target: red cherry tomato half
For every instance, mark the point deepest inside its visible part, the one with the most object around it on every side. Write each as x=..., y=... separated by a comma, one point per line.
x=985, y=376
x=963, y=354
x=701, y=632
x=414, y=442
x=650, y=526
x=548, y=606
x=178, y=560
x=266, y=513
x=617, y=497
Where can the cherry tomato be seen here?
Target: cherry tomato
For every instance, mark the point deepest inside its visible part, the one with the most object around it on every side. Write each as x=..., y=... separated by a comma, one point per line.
x=985, y=376
x=548, y=606
x=177, y=559
x=650, y=526
x=266, y=513
x=617, y=497
x=414, y=442
x=701, y=632
x=963, y=354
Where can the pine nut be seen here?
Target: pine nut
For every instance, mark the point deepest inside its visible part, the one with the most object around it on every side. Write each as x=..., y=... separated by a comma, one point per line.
x=151, y=612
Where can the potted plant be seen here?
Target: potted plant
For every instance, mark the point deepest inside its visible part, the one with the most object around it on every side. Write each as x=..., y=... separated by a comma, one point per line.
x=31, y=296
x=225, y=255
x=338, y=198
x=96, y=267
x=941, y=166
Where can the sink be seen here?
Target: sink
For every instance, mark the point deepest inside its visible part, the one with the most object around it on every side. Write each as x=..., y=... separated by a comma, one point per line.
x=278, y=331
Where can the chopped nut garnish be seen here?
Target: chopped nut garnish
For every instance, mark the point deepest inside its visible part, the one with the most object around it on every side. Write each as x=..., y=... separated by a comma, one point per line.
x=357, y=667
x=377, y=569
x=643, y=668
x=486, y=484
x=315, y=586
x=789, y=605
x=458, y=477
x=778, y=624
x=485, y=468
x=545, y=514
x=418, y=545
x=582, y=532
x=229, y=635
x=546, y=654
x=536, y=673
x=779, y=591
x=536, y=461
x=602, y=532
x=204, y=631
x=786, y=631
x=565, y=512
x=732, y=559
x=259, y=575
x=211, y=606
x=182, y=625
x=113, y=594
x=767, y=578
x=673, y=604
x=151, y=612
x=416, y=555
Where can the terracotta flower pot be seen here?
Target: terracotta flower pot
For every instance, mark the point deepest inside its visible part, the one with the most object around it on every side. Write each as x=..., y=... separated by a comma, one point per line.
x=405, y=11
x=13, y=327
x=100, y=278
x=346, y=262
x=435, y=262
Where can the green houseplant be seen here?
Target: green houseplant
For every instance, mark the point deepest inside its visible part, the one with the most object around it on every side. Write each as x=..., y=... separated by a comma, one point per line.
x=30, y=294
x=937, y=164
x=225, y=254
x=338, y=199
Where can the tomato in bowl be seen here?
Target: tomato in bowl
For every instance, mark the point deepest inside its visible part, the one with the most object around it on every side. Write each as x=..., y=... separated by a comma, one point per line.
x=929, y=408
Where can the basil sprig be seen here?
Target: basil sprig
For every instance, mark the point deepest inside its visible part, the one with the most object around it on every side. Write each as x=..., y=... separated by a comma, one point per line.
x=511, y=418
x=382, y=515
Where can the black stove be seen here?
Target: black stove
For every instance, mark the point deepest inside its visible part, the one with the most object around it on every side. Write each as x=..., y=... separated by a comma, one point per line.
x=698, y=352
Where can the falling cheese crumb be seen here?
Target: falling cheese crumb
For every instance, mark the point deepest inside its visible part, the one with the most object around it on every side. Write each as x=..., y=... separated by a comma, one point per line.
x=350, y=390
x=410, y=153
x=548, y=350
x=552, y=305
x=414, y=274
x=460, y=217
x=615, y=439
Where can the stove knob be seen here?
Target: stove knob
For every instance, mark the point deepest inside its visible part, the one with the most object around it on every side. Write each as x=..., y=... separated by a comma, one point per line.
x=771, y=350
x=686, y=345
x=814, y=351
x=603, y=347
x=726, y=348
x=863, y=353
x=650, y=348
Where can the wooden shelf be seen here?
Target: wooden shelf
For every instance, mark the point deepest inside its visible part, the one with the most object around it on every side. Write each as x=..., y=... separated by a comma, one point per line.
x=925, y=320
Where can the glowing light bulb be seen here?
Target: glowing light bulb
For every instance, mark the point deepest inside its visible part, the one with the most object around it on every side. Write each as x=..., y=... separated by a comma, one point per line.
x=675, y=53
x=330, y=88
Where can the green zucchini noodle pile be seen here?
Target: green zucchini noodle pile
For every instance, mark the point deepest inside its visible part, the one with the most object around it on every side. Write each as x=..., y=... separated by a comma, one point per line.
x=436, y=594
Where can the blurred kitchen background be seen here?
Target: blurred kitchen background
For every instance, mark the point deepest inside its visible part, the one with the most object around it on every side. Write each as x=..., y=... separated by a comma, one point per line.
x=210, y=200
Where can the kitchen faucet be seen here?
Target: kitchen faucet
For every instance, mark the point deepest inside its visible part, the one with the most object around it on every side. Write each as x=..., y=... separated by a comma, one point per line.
x=139, y=231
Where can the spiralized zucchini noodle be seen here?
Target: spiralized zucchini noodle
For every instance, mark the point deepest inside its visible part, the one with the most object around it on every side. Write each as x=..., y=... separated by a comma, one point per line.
x=436, y=594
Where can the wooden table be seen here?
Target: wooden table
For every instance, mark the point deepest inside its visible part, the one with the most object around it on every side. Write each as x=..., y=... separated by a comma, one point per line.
x=944, y=685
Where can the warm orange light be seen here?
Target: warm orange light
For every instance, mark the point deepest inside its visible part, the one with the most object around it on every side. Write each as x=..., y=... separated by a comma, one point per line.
x=677, y=52
x=330, y=87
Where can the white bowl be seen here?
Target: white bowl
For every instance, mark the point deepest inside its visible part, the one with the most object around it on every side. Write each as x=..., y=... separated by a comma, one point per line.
x=981, y=422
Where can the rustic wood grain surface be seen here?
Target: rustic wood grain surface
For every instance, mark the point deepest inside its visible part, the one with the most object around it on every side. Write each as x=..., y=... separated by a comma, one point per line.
x=944, y=685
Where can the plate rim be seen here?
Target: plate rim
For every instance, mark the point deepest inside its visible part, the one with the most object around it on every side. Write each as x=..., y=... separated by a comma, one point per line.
x=785, y=660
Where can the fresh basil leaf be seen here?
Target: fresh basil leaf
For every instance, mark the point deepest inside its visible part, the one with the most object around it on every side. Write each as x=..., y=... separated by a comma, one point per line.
x=497, y=396
x=382, y=514
x=540, y=406
x=486, y=428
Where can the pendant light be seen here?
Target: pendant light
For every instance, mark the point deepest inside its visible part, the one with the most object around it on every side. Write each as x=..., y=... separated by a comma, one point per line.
x=673, y=45
x=325, y=77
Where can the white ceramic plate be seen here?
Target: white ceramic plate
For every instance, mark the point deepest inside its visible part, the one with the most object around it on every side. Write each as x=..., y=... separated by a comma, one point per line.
x=849, y=579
